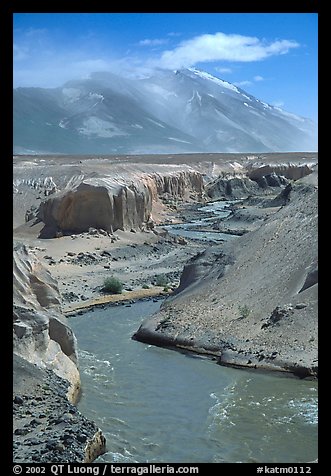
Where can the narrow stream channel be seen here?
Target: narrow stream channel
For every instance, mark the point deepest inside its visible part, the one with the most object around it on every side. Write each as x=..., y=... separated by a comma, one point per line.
x=196, y=229
x=158, y=405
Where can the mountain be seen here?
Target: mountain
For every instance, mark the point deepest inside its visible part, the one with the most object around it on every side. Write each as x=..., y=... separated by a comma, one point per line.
x=170, y=112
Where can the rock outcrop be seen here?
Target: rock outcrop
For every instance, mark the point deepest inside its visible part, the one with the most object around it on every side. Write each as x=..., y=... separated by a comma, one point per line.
x=232, y=187
x=104, y=203
x=239, y=186
x=178, y=184
x=256, y=171
x=252, y=301
x=39, y=179
x=47, y=427
x=93, y=203
x=257, y=179
x=41, y=335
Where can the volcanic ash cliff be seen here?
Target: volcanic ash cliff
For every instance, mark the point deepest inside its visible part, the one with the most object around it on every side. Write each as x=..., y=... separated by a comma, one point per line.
x=41, y=334
x=46, y=376
x=110, y=204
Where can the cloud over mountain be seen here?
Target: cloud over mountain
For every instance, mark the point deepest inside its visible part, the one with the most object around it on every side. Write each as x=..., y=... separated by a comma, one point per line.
x=186, y=110
x=221, y=46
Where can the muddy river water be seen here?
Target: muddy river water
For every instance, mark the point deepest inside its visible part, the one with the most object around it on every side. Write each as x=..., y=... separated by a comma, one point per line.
x=158, y=405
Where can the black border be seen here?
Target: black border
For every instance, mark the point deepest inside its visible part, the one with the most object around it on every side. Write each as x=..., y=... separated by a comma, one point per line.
x=6, y=77
x=225, y=6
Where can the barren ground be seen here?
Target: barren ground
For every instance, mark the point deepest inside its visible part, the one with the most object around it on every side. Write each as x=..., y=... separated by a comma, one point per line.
x=81, y=262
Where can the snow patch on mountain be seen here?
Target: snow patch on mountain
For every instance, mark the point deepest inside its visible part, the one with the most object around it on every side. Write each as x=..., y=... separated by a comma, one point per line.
x=63, y=124
x=218, y=81
x=96, y=96
x=195, y=95
x=247, y=97
x=179, y=140
x=187, y=111
x=290, y=114
x=100, y=128
x=265, y=105
x=155, y=122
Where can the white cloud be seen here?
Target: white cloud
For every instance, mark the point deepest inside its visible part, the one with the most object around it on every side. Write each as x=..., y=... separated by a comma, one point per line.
x=249, y=82
x=53, y=71
x=41, y=61
x=243, y=83
x=58, y=70
x=220, y=46
x=223, y=70
x=153, y=42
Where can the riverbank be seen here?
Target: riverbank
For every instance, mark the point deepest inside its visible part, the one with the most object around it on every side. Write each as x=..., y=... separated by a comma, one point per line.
x=156, y=404
x=126, y=298
x=249, y=300
x=47, y=427
x=80, y=263
x=139, y=260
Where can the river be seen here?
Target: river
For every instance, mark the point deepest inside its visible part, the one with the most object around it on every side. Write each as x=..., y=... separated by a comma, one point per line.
x=159, y=405
x=199, y=229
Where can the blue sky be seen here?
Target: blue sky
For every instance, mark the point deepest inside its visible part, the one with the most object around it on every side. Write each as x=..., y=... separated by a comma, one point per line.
x=270, y=55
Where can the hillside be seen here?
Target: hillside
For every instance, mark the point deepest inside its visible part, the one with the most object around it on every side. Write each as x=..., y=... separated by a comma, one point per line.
x=251, y=302
x=170, y=112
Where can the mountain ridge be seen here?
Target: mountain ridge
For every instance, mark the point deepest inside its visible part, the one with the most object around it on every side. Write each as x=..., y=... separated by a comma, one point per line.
x=179, y=111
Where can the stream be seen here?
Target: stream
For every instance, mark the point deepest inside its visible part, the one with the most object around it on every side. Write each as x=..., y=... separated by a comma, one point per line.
x=199, y=229
x=158, y=405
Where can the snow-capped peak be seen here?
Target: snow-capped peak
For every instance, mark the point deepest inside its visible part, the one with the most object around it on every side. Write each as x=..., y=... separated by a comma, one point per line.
x=210, y=77
x=191, y=110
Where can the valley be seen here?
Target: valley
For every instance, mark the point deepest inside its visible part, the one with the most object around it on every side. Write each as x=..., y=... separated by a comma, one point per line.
x=247, y=300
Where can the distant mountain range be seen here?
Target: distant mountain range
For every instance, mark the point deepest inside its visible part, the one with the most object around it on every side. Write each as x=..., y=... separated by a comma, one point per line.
x=170, y=112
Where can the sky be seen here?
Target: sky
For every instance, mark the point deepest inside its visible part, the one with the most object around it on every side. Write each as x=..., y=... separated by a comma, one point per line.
x=273, y=56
